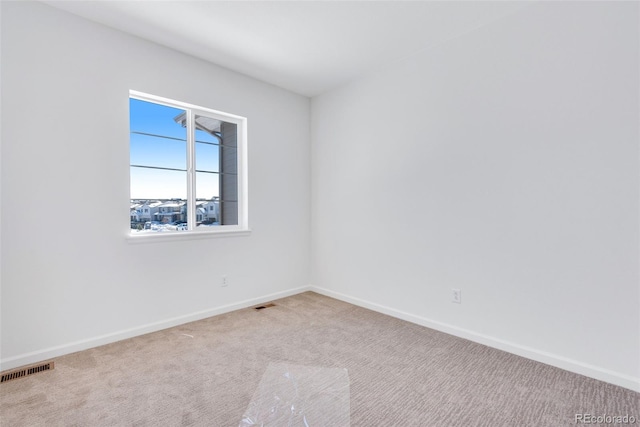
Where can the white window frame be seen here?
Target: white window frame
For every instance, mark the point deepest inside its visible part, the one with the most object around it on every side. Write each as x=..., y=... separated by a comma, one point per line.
x=242, y=228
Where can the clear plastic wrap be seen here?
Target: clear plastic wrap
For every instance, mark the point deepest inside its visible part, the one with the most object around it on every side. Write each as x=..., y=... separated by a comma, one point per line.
x=295, y=395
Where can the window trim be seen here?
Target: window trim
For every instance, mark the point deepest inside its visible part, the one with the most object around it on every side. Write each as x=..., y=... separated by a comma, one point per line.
x=242, y=228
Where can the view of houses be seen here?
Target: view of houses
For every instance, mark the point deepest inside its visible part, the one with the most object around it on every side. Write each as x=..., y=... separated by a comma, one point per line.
x=161, y=215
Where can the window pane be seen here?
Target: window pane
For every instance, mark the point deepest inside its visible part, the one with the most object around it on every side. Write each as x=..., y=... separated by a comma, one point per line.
x=208, y=139
x=158, y=136
x=158, y=139
x=229, y=149
x=216, y=166
x=207, y=198
x=207, y=157
x=207, y=186
x=229, y=199
x=156, y=151
x=156, y=119
x=229, y=212
x=231, y=182
x=158, y=200
x=208, y=212
x=158, y=184
x=229, y=177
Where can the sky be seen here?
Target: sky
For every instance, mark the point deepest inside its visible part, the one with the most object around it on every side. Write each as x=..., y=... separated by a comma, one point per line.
x=167, y=147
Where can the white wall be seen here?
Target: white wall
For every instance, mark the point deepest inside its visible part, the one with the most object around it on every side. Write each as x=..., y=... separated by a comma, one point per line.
x=503, y=163
x=70, y=279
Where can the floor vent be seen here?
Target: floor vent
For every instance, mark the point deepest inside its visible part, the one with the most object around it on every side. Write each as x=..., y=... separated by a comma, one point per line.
x=262, y=307
x=25, y=372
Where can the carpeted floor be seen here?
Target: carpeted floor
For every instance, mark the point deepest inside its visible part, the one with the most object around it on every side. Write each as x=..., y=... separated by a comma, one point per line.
x=400, y=374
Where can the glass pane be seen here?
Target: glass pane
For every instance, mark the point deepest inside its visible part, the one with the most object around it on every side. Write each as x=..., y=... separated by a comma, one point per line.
x=207, y=157
x=216, y=171
x=207, y=186
x=208, y=129
x=208, y=139
x=229, y=212
x=230, y=183
x=160, y=184
x=207, y=199
x=156, y=119
x=158, y=136
x=146, y=150
x=158, y=200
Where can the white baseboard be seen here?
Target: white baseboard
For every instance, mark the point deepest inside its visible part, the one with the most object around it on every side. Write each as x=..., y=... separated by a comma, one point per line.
x=528, y=352
x=61, y=350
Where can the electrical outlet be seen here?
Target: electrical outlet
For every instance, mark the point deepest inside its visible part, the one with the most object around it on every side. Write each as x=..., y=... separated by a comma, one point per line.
x=456, y=296
x=224, y=282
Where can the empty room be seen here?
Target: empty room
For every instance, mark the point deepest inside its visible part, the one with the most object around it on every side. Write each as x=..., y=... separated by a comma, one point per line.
x=320, y=213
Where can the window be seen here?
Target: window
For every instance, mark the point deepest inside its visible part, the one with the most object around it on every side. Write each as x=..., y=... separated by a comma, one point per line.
x=187, y=168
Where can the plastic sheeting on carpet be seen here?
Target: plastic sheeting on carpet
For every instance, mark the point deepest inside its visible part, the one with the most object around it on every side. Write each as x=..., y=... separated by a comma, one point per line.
x=295, y=395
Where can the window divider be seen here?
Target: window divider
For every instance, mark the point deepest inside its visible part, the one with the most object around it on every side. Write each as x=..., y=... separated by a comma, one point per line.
x=191, y=174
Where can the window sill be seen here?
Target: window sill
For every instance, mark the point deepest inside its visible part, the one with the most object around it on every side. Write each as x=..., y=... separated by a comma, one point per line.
x=185, y=235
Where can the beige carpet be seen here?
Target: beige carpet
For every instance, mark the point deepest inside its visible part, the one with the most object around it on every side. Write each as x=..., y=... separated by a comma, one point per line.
x=205, y=374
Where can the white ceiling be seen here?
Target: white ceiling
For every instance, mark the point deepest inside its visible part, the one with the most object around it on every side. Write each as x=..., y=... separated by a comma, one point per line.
x=308, y=47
